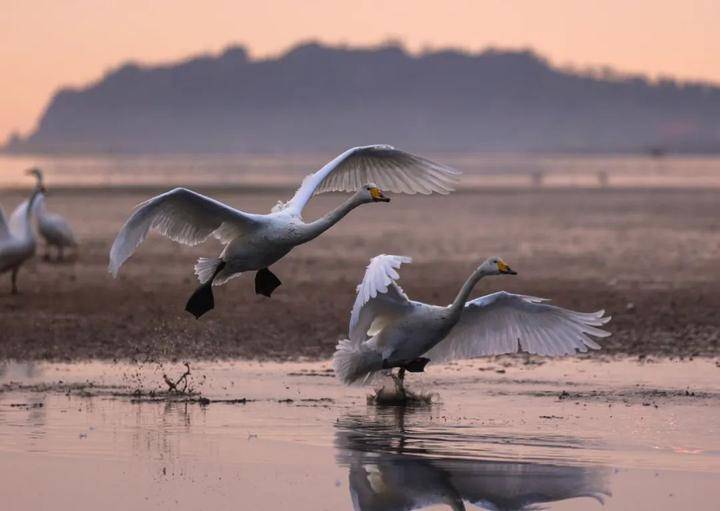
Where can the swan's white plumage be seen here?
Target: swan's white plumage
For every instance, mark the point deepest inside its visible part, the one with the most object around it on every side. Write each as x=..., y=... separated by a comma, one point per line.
x=183, y=216
x=18, y=219
x=254, y=242
x=507, y=323
x=386, y=326
x=4, y=229
x=379, y=299
x=53, y=227
x=17, y=242
x=205, y=268
x=389, y=168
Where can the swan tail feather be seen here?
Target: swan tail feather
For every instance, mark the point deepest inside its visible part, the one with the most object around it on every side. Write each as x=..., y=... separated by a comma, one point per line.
x=206, y=267
x=355, y=365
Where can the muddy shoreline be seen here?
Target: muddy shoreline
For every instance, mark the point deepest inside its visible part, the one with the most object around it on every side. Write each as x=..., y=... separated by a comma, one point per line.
x=649, y=257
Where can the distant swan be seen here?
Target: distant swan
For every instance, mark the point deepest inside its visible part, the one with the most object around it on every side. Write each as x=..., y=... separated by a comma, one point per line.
x=52, y=227
x=389, y=330
x=17, y=241
x=253, y=242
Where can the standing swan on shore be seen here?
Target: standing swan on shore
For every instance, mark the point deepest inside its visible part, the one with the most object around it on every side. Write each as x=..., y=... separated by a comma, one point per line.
x=17, y=241
x=253, y=242
x=54, y=229
x=389, y=330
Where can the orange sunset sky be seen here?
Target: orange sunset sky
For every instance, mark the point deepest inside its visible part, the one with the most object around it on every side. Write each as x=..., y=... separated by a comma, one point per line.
x=45, y=44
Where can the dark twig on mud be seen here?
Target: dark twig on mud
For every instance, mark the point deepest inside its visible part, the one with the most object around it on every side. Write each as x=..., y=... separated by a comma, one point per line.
x=173, y=386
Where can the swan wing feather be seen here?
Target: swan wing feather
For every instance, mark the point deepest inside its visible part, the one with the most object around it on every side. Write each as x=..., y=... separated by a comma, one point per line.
x=379, y=298
x=389, y=168
x=507, y=323
x=183, y=216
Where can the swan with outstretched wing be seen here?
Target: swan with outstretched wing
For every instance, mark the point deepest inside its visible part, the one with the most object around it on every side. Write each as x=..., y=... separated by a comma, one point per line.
x=389, y=330
x=253, y=242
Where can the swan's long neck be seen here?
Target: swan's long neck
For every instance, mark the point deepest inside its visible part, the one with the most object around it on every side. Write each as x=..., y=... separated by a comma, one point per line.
x=314, y=229
x=458, y=304
x=27, y=227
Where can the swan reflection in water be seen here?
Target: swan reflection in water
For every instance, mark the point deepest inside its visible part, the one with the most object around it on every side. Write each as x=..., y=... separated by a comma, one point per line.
x=393, y=470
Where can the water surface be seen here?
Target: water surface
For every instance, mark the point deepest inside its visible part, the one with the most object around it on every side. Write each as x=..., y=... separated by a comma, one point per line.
x=565, y=435
x=487, y=170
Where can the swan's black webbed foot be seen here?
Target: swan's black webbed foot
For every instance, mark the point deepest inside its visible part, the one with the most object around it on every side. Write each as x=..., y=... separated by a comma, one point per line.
x=13, y=282
x=266, y=282
x=414, y=366
x=417, y=365
x=201, y=301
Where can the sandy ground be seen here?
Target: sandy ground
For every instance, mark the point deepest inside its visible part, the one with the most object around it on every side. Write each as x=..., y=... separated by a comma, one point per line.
x=649, y=257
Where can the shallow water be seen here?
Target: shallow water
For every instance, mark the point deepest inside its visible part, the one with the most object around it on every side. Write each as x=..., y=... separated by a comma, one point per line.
x=484, y=170
x=499, y=435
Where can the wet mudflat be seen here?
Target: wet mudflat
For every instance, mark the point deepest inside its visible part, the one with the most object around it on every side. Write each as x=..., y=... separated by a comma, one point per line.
x=500, y=434
x=647, y=256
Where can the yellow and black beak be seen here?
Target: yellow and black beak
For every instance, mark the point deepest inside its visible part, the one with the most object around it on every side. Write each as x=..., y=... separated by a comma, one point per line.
x=378, y=196
x=505, y=269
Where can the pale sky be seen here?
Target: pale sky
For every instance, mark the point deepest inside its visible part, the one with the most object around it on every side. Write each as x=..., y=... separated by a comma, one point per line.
x=45, y=44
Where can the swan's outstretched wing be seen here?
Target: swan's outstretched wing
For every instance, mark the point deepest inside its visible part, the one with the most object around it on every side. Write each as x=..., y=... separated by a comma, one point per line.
x=389, y=168
x=506, y=323
x=523, y=486
x=183, y=216
x=379, y=299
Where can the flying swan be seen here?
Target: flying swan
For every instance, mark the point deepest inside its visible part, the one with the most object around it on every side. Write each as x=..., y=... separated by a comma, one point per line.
x=253, y=242
x=389, y=330
x=17, y=241
x=52, y=227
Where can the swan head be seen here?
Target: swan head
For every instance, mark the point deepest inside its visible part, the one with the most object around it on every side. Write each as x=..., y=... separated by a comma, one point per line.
x=496, y=266
x=34, y=171
x=372, y=193
x=39, y=185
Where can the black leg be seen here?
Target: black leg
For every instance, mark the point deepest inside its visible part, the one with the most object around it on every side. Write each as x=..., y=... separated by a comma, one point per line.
x=413, y=366
x=401, y=380
x=13, y=279
x=417, y=365
x=266, y=282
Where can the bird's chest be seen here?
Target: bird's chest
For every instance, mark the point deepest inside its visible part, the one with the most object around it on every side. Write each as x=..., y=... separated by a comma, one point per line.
x=264, y=246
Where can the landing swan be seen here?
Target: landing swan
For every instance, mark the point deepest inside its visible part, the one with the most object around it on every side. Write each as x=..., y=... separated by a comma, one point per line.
x=17, y=241
x=389, y=330
x=52, y=227
x=253, y=242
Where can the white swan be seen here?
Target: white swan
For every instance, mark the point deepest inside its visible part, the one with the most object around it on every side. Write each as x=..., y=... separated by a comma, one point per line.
x=17, y=241
x=253, y=242
x=388, y=330
x=54, y=229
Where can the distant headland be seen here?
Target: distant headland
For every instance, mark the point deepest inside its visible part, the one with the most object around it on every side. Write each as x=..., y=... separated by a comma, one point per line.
x=323, y=98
